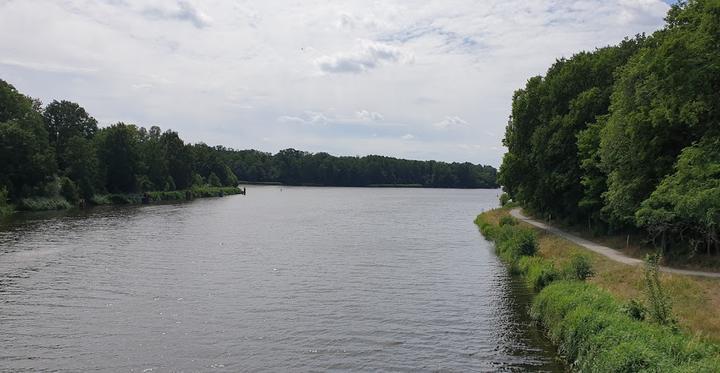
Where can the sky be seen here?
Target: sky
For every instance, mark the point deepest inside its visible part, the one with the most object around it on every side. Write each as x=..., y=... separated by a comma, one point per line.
x=411, y=79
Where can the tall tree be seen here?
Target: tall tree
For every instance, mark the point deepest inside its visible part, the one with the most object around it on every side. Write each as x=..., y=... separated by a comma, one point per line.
x=119, y=155
x=26, y=161
x=65, y=120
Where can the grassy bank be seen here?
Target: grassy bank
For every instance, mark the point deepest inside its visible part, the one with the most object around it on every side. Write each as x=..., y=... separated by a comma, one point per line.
x=636, y=244
x=60, y=203
x=596, y=310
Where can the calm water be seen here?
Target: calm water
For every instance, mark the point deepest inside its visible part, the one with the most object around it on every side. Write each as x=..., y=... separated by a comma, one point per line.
x=283, y=279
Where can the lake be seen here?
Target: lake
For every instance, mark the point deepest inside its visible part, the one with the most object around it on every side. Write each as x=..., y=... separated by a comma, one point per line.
x=283, y=279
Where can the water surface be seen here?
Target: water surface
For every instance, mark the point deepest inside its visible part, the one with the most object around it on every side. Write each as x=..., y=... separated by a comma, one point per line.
x=283, y=279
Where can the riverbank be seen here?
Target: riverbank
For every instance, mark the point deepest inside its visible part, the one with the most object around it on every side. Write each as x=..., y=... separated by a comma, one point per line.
x=60, y=203
x=595, y=310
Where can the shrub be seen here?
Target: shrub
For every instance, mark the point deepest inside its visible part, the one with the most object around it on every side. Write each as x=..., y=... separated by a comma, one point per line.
x=504, y=199
x=169, y=184
x=659, y=306
x=635, y=309
x=214, y=192
x=517, y=241
x=197, y=180
x=5, y=207
x=43, y=204
x=214, y=180
x=124, y=199
x=175, y=195
x=538, y=272
x=69, y=190
x=578, y=268
x=100, y=199
x=508, y=220
x=511, y=240
x=595, y=334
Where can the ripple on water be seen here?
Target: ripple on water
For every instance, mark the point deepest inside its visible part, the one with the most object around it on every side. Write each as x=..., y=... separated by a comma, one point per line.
x=329, y=279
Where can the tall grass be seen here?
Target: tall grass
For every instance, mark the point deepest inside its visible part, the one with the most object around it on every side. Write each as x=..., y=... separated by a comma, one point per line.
x=43, y=204
x=157, y=196
x=595, y=335
x=593, y=331
x=5, y=208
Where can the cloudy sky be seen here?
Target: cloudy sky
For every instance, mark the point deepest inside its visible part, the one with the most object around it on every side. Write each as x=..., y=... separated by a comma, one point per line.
x=412, y=79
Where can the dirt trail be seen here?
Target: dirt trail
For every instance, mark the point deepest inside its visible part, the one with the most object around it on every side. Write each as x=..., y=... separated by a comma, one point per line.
x=604, y=250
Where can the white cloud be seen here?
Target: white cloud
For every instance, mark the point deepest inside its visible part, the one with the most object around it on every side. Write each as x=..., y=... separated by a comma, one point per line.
x=368, y=56
x=309, y=117
x=450, y=121
x=235, y=73
x=181, y=10
x=369, y=116
x=407, y=137
x=47, y=67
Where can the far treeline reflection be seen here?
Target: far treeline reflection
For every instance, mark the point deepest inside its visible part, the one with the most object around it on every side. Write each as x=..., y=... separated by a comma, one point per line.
x=59, y=147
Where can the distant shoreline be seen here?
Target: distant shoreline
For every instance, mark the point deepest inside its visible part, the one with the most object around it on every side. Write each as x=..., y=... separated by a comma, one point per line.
x=415, y=186
x=39, y=204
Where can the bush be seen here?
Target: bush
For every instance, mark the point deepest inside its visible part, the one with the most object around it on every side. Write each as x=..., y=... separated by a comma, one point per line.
x=175, y=195
x=578, y=268
x=169, y=184
x=214, y=180
x=635, y=309
x=595, y=334
x=197, y=180
x=508, y=220
x=5, y=207
x=504, y=199
x=214, y=192
x=516, y=242
x=512, y=241
x=69, y=190
x=659, y=306
x=537, y=271
x=100, y=199
x=43, y=204
x=124, y=199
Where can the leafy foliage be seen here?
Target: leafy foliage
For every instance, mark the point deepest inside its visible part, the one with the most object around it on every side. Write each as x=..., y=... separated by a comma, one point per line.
x=59, y=153
x=579, y=268
x=627, y=136
x=659, y=307
x=595, y=334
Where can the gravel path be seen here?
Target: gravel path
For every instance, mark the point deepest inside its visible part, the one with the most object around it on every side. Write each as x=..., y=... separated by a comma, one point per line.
x=604, y=250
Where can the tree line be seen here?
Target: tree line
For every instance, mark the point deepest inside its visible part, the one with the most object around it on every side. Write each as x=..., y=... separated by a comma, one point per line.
x=59, y=149
x=627, y=137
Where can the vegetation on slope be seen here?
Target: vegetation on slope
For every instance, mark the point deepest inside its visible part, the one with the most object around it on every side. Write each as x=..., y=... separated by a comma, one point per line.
x=594, y=313
x=56, y=154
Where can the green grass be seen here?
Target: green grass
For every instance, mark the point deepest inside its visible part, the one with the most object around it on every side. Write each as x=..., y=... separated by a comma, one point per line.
x=6, y=210
x=43, y=204
x=59, y=203
x=592, y=328
x=158, y=196
x=594, y=335
x=201, y=192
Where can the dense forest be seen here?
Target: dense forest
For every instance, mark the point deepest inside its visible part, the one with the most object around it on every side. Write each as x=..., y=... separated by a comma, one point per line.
x=627, y=137
x=59, y=151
